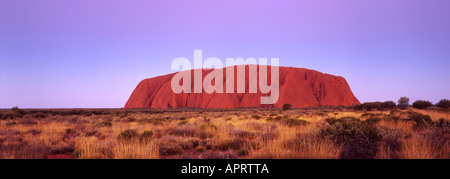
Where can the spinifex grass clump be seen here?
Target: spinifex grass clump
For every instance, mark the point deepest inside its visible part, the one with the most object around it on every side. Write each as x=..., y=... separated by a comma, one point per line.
x=131, y=134
x=128, y=135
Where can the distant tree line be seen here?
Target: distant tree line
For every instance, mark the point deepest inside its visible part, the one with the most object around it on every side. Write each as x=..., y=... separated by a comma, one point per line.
x=402, y=103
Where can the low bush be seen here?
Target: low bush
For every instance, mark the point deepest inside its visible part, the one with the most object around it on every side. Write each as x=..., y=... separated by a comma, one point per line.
x=444, y=103
x=40, y=115
x=422, y=104
x=170, y=148
x=368, y=106
x=187, y=130
x=287, y=106
x=359, y=140
x=257, y=117
x=8, y=116
x=420, y=120
x=388, y=105
x=103, y=124
x=235, y=144
x=442, y=123
x=239, y=133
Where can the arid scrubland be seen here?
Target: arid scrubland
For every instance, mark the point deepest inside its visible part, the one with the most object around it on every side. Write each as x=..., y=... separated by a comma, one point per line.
x=254, y=133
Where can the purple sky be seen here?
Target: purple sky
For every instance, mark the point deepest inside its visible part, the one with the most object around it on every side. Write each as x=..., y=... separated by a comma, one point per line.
x=93, y=53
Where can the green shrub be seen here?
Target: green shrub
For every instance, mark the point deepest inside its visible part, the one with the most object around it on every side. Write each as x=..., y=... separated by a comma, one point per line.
x=287, y=106
x=422, y=104
x=444, y=103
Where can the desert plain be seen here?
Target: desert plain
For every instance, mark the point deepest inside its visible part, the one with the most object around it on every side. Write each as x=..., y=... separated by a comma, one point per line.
x=236, y=133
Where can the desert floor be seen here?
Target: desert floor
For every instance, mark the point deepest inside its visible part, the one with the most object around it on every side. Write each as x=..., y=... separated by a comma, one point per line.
x=250, y=133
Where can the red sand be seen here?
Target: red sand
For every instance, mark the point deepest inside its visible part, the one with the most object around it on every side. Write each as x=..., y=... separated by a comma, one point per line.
x=298, y=86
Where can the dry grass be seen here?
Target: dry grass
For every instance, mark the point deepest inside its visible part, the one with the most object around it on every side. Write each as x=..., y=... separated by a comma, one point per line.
x=417, y=148
x=233, y=133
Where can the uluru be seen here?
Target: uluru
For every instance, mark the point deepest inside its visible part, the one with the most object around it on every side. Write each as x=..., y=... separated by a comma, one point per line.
x=299, y=87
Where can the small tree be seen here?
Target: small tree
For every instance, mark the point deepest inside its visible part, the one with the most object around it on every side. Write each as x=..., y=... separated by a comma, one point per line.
x=444, y=103
x=287, y=106
x=17, y=112
x=422, y=104
x=403, y=102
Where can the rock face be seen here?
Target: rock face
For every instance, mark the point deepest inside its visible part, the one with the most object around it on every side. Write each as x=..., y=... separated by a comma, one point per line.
x=297, y=86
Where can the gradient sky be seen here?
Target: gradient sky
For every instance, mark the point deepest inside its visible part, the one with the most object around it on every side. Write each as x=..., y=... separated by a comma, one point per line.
x=93, y=53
